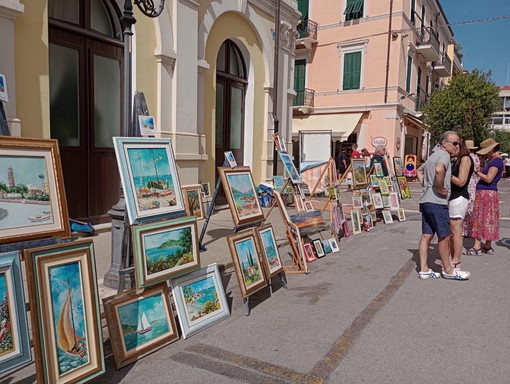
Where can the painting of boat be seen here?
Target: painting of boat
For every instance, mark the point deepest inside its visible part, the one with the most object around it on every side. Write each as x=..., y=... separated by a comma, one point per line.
x=68, y=340
x=143, y=325
x=38, y=219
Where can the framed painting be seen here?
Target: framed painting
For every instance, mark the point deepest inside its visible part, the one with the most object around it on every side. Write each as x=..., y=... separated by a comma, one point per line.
x=271, y=256
x=386, y=201
x=164, y=249
x=383, y=187
x=14, y=335
x=398, y=166
x=367, y=222
x=374, y=181
x=378, y=169
x=246, y=257
x=308, y=206
x=299, y=246
x=4, y=96
x=308, y=252
x=241, y=194
x=377, y=200
x=319, y=250
x=206, y=189
x=147, y=125
x=199, y=299
x=326, y=246
x=401, y=214
x=149, y=177
x=359, y=173
x=356, y=221
x=388, y=219
x=294, y=175
x=32, y=196
x=334, y=245
x=64, y=309
x=394, y=202
x=405, y=192
x=357, y=201
x=279, y=142
x=193, y=201
x=300, y=204
x=278, y=182
x=139, y=323
x=229, y=156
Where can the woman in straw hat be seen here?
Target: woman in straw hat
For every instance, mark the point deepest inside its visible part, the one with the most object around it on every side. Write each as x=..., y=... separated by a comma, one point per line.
x=486, y=211
x=466, y=230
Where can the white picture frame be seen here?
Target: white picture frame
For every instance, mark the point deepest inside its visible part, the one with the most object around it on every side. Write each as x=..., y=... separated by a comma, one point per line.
x=147, y=125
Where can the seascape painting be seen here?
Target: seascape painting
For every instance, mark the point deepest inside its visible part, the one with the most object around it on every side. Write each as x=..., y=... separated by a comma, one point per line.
x=270, y=249
x=7, y=339
x=25, y=199
x=249, y=262
x=243, y=195
x=312, y=219
x=143, y=320
x=68, y=311
x=201, y=298
x=290, y=168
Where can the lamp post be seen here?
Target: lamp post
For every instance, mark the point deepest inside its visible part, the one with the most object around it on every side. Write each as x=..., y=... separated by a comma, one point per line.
x=121, y=243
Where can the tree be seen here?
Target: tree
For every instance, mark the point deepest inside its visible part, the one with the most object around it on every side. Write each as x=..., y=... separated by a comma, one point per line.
x=465, y=105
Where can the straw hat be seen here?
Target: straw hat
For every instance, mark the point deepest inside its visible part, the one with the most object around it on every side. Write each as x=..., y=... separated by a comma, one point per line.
x=487, y=146
x=470, y=144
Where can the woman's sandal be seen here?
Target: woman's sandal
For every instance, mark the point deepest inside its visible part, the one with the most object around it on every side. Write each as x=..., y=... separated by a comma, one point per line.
x=488, y=251
x=473, y=252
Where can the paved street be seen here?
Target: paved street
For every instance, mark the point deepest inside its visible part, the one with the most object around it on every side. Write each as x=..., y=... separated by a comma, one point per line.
x=360, y=316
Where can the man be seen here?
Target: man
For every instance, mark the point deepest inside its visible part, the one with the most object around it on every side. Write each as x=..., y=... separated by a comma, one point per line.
x=379, y=157
x=435, y=176
x=341, y=162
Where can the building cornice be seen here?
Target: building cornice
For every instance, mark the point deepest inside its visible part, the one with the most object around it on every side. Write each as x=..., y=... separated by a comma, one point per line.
x=10, y=9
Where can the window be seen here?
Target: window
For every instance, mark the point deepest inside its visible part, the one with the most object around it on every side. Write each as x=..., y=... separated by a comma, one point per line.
x=409, y=71
x=299, y=81
x=352, y=70
x=354, y=9
x=507, y=103
x=413, y=12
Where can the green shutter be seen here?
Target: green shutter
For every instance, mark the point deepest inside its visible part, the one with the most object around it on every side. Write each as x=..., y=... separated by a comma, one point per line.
x=413, y=10
x=352, y=70
x=303, y=8
x=349, y=6
x=299, y=81
x=354, y=8
x=409, y=69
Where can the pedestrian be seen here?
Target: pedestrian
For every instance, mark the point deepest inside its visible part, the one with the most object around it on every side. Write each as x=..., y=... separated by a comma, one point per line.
x=379, y=153
x=462, y=169
x=485, y=224
x=354, y=152
x=341, y=162
x=466, y=230
x=366, y=156
x=435, y=177
x=507, y=166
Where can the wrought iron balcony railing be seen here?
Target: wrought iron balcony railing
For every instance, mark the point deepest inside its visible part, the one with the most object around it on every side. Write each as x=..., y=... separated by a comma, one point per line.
x=307, y=29
x=422, y=100
x=304, y=97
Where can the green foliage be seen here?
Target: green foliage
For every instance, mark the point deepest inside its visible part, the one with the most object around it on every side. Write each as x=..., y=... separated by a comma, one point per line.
x=465, y=105
x=185, y=240
x=503, y=137
x=210, y=306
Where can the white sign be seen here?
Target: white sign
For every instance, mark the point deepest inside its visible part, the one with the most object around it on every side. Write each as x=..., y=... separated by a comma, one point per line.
x=3, y=89
x=376, y=141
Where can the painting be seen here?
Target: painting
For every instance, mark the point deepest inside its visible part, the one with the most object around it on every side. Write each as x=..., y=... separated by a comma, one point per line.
x=401, y=214
x=164, y=249
x=326, y=246
x=14, y=335
x=206, y=189
x=279, y=142
x=388, y=219
x=386, y=201
x=291, y=170
x=147, y=125
x=367, y=222
x=32, y=196
x=229, y=156
x=278, y=182
x=378, y=169
x=383, y=187
x=271, y=256
x=334, y=245
x=241, y=194
x=405, y=192
x=374, y=181
x=398, y=165
x=357, y=201
x=300, y=205
x=377, y=200
x=308, y=206
x=319, y=250
x=394, y=201
x=149, y=177
x=246, y=257
x=359, y=173
x=308, y=252
x=4, y=96
x=139, y=323
x=312, y=219
x=356, y=221
x=199, y=299
x=64, y=310
x=193, y=201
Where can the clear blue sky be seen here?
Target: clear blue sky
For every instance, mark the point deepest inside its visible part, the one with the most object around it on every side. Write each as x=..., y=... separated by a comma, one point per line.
x=485, y=45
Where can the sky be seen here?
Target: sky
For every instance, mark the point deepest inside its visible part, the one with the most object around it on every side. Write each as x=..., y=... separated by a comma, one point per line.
x=485, y=45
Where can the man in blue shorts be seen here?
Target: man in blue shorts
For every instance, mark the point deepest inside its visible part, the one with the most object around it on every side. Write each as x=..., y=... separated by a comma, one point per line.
x=435, y=177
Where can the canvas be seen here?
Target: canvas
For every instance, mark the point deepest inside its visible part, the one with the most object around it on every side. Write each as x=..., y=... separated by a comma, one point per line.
x=356, y=221
x=398, y=165
x=241, y=194
x=147, y=125
x=374, y=181
x=308, y=252
x=377, y=200
x=405, y=192
x=149, y=178
x=383, y=187
x=229, y=156
x=32, y=196
x=334, y=245
x=312, y=219
x=319, y=250
x=401, y=214
x=271, y=256
x=206, y=189
x=388, y=219
x=193, y=201
x=394, y=201
x=278, y=182
x=291, y=170
x=359, y=173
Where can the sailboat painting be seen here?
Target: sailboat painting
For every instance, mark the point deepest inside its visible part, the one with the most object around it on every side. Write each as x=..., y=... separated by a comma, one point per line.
x=68, y=316
x=270, y=248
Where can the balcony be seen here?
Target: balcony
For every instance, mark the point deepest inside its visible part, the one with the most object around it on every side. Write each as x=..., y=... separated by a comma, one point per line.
x=307, y=30
x=422, y=100
x=427, y=44
x=443, y=67
x=304, y=101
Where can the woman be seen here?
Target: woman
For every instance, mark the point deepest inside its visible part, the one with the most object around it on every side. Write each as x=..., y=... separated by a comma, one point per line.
x=466, y=231
x=366, y=156
x=486, y=212
x=462, y=170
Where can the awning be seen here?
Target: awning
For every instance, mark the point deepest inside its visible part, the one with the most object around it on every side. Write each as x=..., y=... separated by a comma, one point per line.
x=408, y=118
x=341, y=125
x=353, y=6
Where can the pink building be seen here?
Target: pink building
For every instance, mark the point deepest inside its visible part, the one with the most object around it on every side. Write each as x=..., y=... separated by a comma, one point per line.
x=364, y=69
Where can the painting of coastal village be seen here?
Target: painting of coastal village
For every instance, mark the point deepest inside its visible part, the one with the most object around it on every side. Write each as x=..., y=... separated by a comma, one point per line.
x=69, y=323
x=169, y=250
x=6, y=337
x=25, y=198
x=201, y=298
x=270, y=249
x=143, y=320
x=153, y=179
x=243, y=195
x=249, y=262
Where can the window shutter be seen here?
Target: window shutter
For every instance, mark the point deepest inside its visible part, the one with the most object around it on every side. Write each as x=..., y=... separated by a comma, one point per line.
x=299, y=81
x=347, y=81
x=413, y=10
x=352, y=70
x=409, y=69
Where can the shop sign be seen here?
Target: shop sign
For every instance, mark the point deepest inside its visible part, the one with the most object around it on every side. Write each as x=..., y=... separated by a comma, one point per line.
x=379, y=141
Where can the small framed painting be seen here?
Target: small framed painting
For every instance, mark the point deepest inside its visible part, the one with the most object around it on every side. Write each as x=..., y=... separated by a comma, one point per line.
x=33, y=200
x=356, y=221
x=377, y=200
x=4, y=96
x=374, y=181
x=290, y=168
x=326, y=246
x=300, y=205
x=147, y=125
x=394, y=201
x=15, y=338
x=200, y=300
x=164, y=249
x=359, y=173
x=378, y=169
x=206, y=189
x=279, y=142
x=229, y=156
x=319, y=250
x=367, y=222
x=401, y=214
x=245, y=253
x=386, y=201
x=278, y=182
x=149, y=177
x=139, y=323
x=383, y=187
x=357, y=201
x=388, y=219
x=334, y=245
x=398, y=165
x=308, y=206
x=405, y=192
x=272, y=260
x=193, y=201
x=64, y=309
x=308, y=252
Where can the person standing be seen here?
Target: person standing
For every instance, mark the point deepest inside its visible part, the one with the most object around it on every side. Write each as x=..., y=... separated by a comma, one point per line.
x=466, y=230
x=379, y=157
x=341, y=162
x=435, y=177
x=507, y=166
x=486, y=211
x=366, y=156
x=354, y=152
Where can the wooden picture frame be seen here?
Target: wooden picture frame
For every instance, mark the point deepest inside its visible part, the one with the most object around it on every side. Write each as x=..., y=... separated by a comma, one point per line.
x=33, y=201
x=308, y=252
x=245, y=252
x=241, y=194
x=200, y=300
x=401, y=214
x=193, y=201
x=377, y=200
x=206, y=189
x=334, y=245
x=164, y=249
x=64, y=310
x=300, y=205
x=139, y=323
x=359, y=173
x=398, y=165
x=291, y=170
x=394, y=201
x=319, y=249
x=270, y=254
x=403, y=186
x=149, y=177
x=388, y=219
x=356, y=221
x=15, y=347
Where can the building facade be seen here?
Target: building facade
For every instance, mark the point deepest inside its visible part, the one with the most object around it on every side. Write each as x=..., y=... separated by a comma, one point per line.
x=206, y=70
x=369, y=70
x=501, y=119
